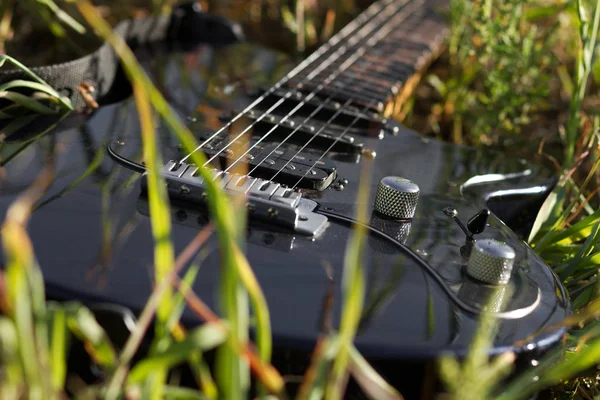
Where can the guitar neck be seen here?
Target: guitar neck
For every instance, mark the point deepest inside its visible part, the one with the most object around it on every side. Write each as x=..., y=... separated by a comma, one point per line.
x=372, y=64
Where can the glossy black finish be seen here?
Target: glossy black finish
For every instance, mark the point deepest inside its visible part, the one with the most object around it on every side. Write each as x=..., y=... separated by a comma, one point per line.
x=93, y=239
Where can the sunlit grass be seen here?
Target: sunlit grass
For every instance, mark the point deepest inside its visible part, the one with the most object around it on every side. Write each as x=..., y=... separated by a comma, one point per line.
x=566, y=230
x=43, y=100
x=566, y=234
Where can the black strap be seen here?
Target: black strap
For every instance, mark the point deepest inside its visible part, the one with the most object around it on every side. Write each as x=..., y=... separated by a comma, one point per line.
x=187, y=26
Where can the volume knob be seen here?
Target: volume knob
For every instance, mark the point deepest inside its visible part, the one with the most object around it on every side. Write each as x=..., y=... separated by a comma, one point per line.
x=397, y=197
x=491, y=262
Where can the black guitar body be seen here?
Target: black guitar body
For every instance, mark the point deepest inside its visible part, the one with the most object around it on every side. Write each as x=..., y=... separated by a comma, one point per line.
x=93, y=240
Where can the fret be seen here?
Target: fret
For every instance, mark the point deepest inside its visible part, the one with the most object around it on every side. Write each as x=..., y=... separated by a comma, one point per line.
x=394, y=76
x=328, y=107
x=375, y=78
x=355, y=75
x=379, y=84
x=351, y=84
x=358, y=97
x=396, y=72
x=361, y=93
x=388, y=81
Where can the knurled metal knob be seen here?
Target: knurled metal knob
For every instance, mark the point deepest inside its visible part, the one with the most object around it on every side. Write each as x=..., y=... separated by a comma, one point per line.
x=491, y=262
x=398, y=230
x=397, y=197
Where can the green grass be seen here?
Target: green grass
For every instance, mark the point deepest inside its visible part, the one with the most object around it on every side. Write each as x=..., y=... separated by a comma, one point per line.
x=494, y=48
x=566, y=232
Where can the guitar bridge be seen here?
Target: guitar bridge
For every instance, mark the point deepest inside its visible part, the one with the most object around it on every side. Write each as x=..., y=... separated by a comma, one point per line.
x=266, y=201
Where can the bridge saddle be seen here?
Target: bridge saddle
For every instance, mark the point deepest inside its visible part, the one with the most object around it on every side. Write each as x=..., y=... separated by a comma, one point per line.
x=266, y=201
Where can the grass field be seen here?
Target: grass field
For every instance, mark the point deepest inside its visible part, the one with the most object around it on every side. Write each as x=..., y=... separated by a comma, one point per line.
x=516, y=75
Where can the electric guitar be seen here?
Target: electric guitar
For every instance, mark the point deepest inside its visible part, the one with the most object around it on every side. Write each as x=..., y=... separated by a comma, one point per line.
x=442, y=217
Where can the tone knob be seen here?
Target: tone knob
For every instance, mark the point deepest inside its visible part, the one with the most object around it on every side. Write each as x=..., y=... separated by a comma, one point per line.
x=397, y=197
x=398, y=230
x=491, y=262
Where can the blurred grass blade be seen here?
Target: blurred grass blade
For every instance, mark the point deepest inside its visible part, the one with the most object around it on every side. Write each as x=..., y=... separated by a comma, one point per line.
x=35, y=86
x=12, y=373
x=315, y=377
x=37, y=83
x=545, y=215
x=450, y=373
x=16, y=125
x=135, y=339
x=28, y=103
x=584, y=250
x=477, y=376
x=206, y=337
x=266, y=374
x=164, y=253
x=84, y=326
x=61, y=15
x=263, y=322
x=552, y=370
x=91, y=168
x=21, y=280
x=179, y=297
x=181, y=393
x=203, y=376
x=353, y=287
x=58, y=349
x=160, y=217
x=369, y=380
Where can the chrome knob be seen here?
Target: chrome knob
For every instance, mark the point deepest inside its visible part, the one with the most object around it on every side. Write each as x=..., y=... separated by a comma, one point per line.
x=397, y=197
x=491, y=262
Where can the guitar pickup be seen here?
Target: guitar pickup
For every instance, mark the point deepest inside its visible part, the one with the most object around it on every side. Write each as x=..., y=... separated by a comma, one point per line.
x=265, y=200
x=354, y=120
x=294, y=130
x=273, y=162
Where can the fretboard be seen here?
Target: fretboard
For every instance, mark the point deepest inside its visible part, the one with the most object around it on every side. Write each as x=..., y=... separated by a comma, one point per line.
x=375, y=60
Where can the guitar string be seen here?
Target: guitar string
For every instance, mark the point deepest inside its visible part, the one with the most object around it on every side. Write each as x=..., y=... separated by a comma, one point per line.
x=328, y=149
x=319, y=88
x=356, y=30
x=370, y=43
x=354, y=26
x=323, y=126
x=350, y=126
x=340, y=136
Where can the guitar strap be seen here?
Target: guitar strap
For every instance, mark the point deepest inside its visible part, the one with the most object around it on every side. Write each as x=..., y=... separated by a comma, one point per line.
x=186, y=27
